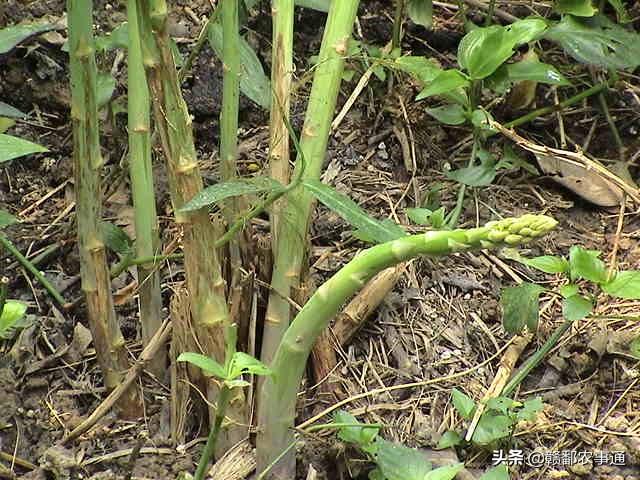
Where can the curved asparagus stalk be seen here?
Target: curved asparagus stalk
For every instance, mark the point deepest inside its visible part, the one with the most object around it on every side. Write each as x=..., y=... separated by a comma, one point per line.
x=279, y=393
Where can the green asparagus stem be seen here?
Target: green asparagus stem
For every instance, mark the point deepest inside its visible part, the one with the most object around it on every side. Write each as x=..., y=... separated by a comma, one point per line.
x=292, y=233
x=279, y=393
x=107, y=338
x=144, y=201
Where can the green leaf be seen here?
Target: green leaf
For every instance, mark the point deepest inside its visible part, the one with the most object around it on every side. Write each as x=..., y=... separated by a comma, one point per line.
x=482, y=119
x=319, y=5
x=116, y=239
x=242, y=363
x=502, y=404
x=586, y=264
x=634, y=347
x=530, y=409
x=11, y=37
x=237, y=383
x=368, y=226
x=7, y=219
x=449, y=439
x=421, y=12
x=625, y=284
x=526, y=30
x=253, y=81
x=7, y=110
x=444, y=473
x=361, y=436
x=492, y=426
x=501, y=472
x=14, y=147
x=536, y=71
x=445, y=82
x=520, y=306
x=437, y=218
x=576, y=307
x=569, y=290
x=579, y=8
x=420, y=67
x=105, y=85
x=11, y=318
x=548, y=264
x=231, y=188
x=420, y=216
x=117, y=38
x=397, y=462
x=207, y=364
x=510, y=159
x=597, y=41
x=474, y=176
x=463, y=403
x=483, y=50
x=621, y=11
x=452, y=114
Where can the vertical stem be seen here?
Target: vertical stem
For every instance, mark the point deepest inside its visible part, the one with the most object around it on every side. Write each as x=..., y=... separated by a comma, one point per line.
x=292, y=234
x=96, y=284
x=206, y=285
x=281, y=73
x=230, y=89
x=398, y=17
x=144, y=202
x=210, y=446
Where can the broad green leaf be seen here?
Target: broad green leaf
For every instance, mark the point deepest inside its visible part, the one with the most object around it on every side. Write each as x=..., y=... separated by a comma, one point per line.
x=242, y=363
x=345, y=207
x=463, y=403
x=361, y=436
x=501, y=472
x=6, y=124
x=253, y=81
x=569, y=290
x=597, y=41
x=207, y=364
x=376, y=474
x=445, y=82
x=14, y=147
x=421, y=216
x=117, y=38
x=420, y=67
x=530, y=409
x=452, y=114
x=105, y=85
x=449, y=439
x=7, y=110
x=586, y=264
x=231, y=188
x=625, y=284
x=421, y=12
x=437, y=218
x=634, y=347
x=536, y=71
x=576, y=307
x=11, y=37
x=444, y=473
x=621, y=11
x=397, y=462
x=12, y=315
x=116, y=239
x=474, y=176
x=520, y=306
x=579, y=8
x=483, y=50
x=548, y=263
x=7, y=219
x=526, y=30
x=492, y=426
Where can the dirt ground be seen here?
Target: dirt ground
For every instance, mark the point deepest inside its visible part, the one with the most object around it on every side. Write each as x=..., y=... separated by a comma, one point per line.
x=442, y=318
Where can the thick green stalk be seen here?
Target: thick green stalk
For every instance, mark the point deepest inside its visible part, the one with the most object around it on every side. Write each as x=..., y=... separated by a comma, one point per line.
x=280, y=390
x=144, y=201
x=96, y=283
x=172, y=120
x=214, y=433
x=292, y=234
x=281, y=75
x=230, y=90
